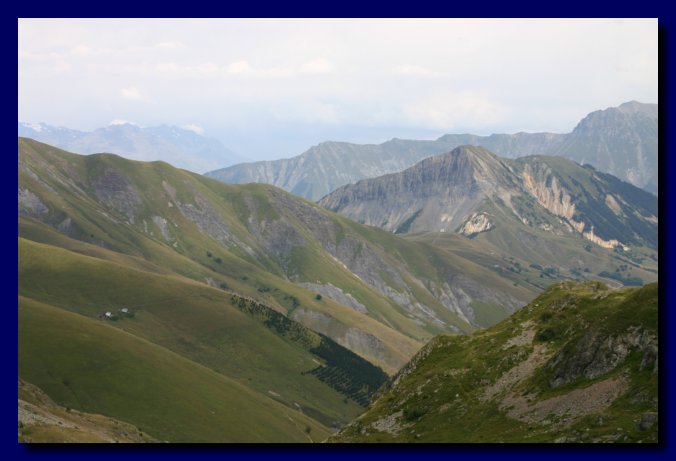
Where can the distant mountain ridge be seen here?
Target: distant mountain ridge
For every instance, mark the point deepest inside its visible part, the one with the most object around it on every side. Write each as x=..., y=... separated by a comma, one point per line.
x=181, y=147
x=618, y=140
x=471, y=190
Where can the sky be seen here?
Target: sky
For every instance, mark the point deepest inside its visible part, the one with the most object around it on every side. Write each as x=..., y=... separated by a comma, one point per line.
x=271, y=88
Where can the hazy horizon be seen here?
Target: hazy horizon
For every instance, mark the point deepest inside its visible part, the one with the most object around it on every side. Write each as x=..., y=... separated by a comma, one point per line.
x=271, y=88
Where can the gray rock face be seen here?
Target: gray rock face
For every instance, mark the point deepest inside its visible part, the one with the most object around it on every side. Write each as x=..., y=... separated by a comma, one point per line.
x=452, y=193
x=204, y=216
x=648, y=420
x=30, y=204
x=596, y=354
x=365, y=261
x=162, y=225
x=336, y=294
x=621, y=141
x=113, y=189
x=351, y=338
x=329, y=165
x=436, y=194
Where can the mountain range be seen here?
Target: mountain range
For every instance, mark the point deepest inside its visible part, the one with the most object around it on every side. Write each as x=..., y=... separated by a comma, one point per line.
x=270, y=303
x=193, y=310
x=620, y=140
x=470, y=190
x=181, y=147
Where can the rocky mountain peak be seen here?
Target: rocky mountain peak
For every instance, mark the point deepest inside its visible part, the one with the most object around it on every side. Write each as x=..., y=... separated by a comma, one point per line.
x=464, y=165
x=454, y=191
x=635, y=107
x=617, y=119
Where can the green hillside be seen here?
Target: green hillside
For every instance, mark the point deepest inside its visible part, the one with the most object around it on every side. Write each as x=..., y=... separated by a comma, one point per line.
x=234, y=336
x=260, y=242
x=95, y=367
x=578, y=364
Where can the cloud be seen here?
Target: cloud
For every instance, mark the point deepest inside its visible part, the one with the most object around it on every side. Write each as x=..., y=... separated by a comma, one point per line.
x=171, y=46
x=167, y=67
x=449, y=111
x=250, y=75
x=119, y=121
x=131, y=94
x=80, y=50
x=194, y=128
x=245, y=69
x=239, y=67
x=85, y=51
x=308, y=111
x=417, y=70
x=317, y=66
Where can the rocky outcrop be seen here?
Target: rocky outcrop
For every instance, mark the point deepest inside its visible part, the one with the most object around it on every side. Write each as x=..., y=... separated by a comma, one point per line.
x=544, y=186
x=30, y=204
x=611, y=202
x=542, y=183
x=475, y=224
x=163, y=225
x=612, y=243
x=114, y=189
x=596, y=354
x=354, y=339
x=336, y=294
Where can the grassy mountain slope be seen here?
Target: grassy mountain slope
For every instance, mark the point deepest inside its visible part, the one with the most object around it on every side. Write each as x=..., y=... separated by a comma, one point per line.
x=94, y=367
x=239, y=338
x=370, y=291
x=578, y=364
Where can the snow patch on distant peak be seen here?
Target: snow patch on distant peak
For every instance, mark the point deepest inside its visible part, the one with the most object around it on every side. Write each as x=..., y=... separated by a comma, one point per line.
x=39, y=127
x=194, y=128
